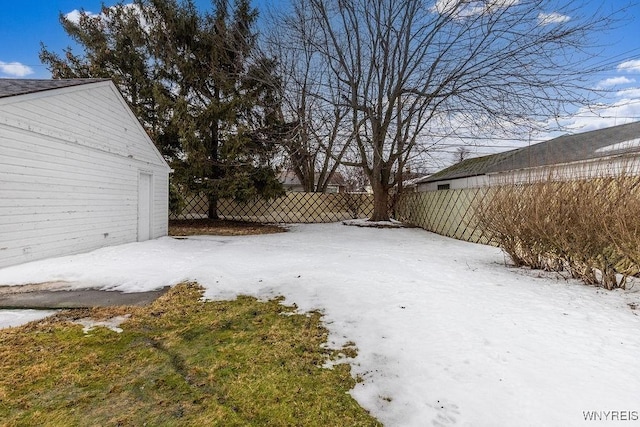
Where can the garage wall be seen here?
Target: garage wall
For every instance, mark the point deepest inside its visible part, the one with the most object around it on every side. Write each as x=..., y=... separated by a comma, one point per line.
x=69, y=168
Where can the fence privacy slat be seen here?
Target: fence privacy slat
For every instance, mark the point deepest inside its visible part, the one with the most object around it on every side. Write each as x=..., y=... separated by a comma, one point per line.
x=294, y=207
x=446, y=212
x=583, y=225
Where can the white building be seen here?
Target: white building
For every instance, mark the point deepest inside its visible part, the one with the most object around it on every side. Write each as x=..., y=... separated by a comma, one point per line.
x=77, y=170
x=604, y=152
x=291, y=182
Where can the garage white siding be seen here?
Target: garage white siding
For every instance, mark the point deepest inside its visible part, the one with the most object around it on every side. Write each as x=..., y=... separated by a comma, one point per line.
x=70, y=161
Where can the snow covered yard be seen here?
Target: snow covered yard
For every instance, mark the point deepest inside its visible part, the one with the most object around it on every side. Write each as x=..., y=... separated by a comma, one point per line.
x=446, y=333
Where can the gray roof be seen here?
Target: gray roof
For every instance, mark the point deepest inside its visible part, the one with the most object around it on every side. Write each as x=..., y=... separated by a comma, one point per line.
x=564, y=149
x=13, y=87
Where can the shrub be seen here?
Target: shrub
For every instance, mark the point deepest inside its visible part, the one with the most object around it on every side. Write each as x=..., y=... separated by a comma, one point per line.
x=588, y=227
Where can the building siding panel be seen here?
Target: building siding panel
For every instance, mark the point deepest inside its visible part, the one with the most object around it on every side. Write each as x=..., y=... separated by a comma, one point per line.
x=68, y=174
x=94, y=117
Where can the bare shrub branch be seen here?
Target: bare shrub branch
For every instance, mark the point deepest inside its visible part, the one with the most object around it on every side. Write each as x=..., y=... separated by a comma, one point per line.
x=588, y=227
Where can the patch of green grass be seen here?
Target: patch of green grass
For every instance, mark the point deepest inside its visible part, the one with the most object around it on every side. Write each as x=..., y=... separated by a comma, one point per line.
x=179, y=361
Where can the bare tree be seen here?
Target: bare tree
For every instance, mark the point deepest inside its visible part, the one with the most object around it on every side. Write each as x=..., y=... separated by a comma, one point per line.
x=461, y=153
x=314, y=140
x=408, y=69
x=356, y=179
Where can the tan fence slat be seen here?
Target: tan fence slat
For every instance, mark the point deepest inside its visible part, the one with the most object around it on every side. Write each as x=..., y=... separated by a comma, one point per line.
x=293, y=207
x=446, y=212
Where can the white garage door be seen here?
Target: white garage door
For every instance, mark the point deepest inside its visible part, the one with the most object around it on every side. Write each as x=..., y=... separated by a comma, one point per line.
x=145, y=199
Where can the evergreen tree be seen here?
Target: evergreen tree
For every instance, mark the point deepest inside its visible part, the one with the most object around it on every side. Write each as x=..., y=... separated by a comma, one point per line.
x=195, y=81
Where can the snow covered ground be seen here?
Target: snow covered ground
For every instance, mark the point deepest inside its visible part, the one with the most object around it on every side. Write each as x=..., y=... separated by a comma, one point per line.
x=446, y=333
x=10, y=318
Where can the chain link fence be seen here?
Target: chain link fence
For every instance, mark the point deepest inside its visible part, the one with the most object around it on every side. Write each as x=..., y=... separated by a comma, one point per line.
x=294, y=207
x=447, y=212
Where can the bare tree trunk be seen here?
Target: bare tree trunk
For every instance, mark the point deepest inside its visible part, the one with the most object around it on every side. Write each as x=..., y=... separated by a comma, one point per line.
x=380, y=203
x=214, y=158
x=213, y=206
x=379, y=180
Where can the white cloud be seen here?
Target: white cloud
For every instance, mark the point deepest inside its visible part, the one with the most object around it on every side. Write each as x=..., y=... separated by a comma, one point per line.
x=446, y=7
x=15, y=69
x=630, y=93
x=492, y=5
x=632, y=66
x=74, y=15
x=615, y=81
x=461, y=9
x=623, y=108
x=605, y=115
x=552, y=18
x=135, y=9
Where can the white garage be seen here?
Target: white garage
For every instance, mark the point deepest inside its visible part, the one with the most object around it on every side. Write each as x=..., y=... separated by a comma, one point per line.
x=77, y=170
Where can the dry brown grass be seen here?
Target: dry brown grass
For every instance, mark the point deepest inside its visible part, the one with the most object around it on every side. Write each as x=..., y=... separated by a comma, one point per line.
x=192, y=227
x=590, y=228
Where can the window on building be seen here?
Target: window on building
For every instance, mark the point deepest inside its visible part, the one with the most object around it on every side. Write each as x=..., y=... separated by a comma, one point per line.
x=443, y=186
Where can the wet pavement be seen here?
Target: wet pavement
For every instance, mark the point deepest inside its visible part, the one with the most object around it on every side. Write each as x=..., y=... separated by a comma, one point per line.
x=58, y=295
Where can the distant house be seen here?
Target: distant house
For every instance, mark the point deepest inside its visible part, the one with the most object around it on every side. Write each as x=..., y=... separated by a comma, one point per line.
x=77, y=170
x=291, y=182
x=608, y=151
x=410, y=185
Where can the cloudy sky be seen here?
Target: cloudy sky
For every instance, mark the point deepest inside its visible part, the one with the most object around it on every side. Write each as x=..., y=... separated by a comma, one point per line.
x=24, y=25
